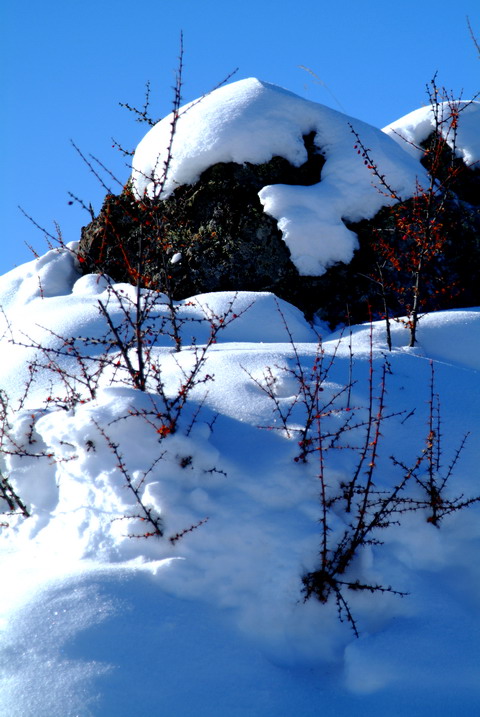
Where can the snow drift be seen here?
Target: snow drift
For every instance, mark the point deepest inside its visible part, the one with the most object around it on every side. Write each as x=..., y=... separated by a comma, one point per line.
x=110, y=622
x=96, y=618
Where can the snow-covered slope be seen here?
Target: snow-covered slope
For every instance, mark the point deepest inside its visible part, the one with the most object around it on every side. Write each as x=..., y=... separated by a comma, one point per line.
x=94, y=622
x=172, y=531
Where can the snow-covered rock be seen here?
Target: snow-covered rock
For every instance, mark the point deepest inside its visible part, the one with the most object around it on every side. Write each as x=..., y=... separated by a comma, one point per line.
x=459, y=123
x=253, y=121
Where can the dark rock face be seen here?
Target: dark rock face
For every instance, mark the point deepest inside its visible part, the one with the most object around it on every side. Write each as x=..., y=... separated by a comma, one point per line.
x=227, y=242
x=466, y=182
x=219, y=226
x=450, y=280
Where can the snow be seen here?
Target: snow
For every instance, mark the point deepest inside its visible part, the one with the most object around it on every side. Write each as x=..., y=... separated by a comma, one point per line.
x=99, y=617
x=94, y=622
x=414, y=128
x=253, y=121
x=460, y=325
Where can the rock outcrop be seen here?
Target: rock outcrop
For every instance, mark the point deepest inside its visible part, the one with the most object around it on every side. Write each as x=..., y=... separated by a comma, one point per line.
x=227, y=242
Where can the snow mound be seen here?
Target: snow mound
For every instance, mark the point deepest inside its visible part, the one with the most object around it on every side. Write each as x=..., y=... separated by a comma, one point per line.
x=417, y=125
x=45, y=303
x=97, y=618
x=49, y=275
x=452, y=337
x=253, y=121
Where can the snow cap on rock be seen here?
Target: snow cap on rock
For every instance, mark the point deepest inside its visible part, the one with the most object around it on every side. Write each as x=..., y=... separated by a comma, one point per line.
x=254, y=121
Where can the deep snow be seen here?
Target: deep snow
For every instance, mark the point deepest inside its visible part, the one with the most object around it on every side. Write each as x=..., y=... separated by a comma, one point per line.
x=97, y=622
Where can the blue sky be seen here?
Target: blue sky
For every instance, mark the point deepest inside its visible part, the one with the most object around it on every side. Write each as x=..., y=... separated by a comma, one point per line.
x=66, y=67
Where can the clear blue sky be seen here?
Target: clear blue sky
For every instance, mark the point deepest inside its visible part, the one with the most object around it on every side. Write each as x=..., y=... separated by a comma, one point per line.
x=65, y=66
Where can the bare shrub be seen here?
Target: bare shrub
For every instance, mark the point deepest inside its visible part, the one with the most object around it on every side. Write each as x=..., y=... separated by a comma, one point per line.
x=407, y=266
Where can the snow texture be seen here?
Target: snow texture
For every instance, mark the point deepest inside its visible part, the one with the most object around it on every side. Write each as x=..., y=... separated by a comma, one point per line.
x=253, y=121
x=96, y=623
x=98, y=620
x=414, y=128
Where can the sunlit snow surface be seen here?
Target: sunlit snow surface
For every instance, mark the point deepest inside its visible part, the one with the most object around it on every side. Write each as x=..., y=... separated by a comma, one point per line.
x=253, y=121
x=413, y=129
x=95, y=623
